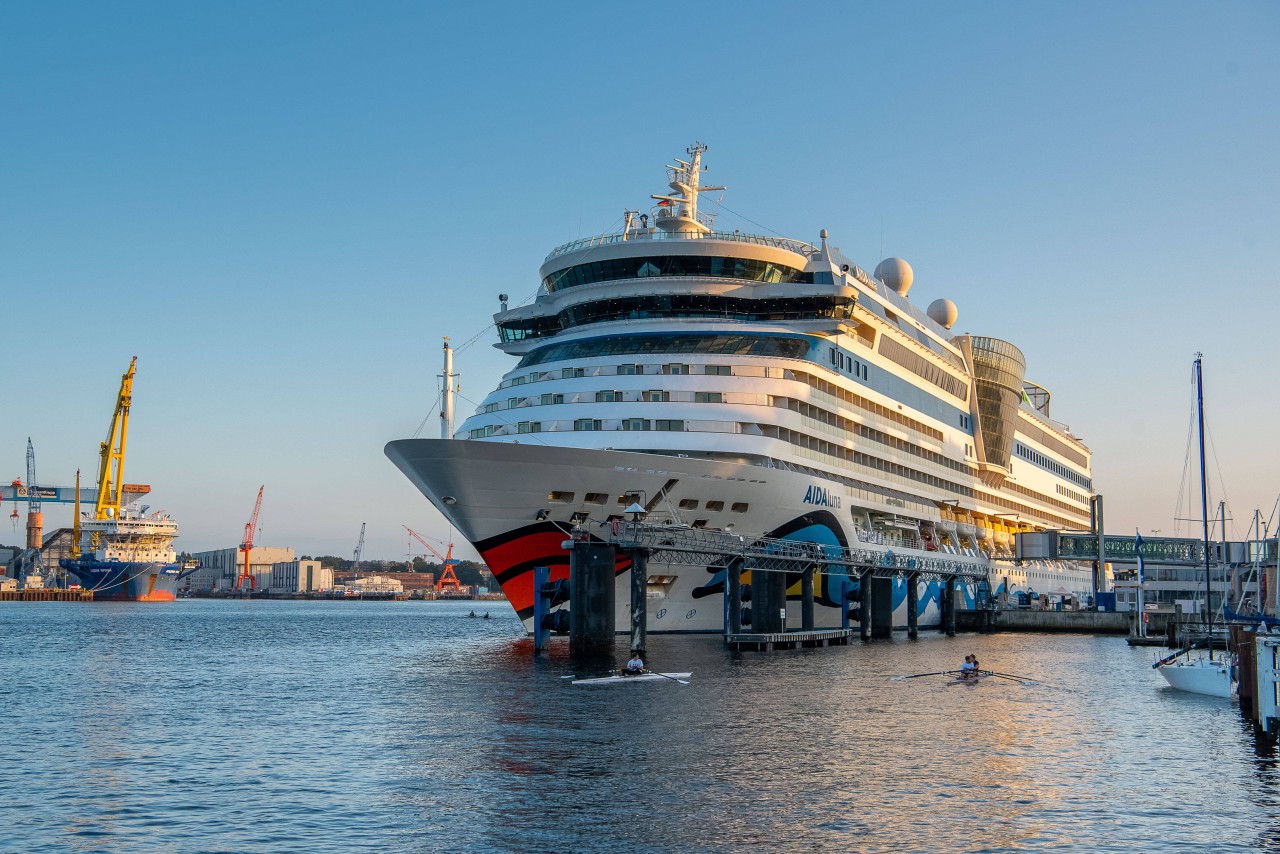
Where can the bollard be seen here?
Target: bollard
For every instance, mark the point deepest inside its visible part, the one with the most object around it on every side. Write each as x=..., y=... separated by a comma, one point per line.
x=592, y=570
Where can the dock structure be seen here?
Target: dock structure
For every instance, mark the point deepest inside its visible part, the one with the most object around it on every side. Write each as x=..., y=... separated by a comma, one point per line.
x=46, y=594
x=861, y=576
x=806, y=639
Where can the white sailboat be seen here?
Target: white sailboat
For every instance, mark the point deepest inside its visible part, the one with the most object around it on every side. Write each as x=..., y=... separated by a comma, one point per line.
x=1200, y=674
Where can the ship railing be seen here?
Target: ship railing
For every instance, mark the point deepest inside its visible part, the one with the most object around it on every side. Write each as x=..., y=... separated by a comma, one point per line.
x=797, y=246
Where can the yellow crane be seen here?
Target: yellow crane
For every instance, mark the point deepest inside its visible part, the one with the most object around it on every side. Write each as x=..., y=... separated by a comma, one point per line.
x=111, y=464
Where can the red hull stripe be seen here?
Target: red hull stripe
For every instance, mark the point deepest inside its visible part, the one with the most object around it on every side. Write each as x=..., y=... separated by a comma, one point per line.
x=511, y=558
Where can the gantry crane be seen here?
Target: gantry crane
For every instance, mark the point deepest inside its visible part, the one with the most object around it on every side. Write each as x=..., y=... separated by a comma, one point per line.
x=246, y=545
x=448, y=580
x=359, y=552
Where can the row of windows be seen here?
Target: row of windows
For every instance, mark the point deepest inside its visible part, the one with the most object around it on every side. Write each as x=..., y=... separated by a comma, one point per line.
x=922, y=367
x=674, y=305
x=867, y=405
x=715, y=506
x=867, y=432
x=1052, y=442
x=1034, y=456
x=587, y=425
x=673, y=265
x=1071, y=493
x=831, y=449
x=623, y=345
x=844, y=362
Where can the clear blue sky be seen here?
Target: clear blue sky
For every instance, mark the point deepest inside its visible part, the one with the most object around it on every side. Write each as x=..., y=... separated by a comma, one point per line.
x=280, y=209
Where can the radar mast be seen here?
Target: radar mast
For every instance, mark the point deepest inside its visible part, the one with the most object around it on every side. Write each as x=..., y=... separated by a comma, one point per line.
x=679, y=212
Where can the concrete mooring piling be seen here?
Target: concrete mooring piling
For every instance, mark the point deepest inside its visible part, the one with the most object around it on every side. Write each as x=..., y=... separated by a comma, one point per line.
x=949, y=606
x=882, y=608
x=733, y=596
x=639, y=599
x=806, y=598
x=591, y=597
x=866, y=604
x=768, y=601
x=913, y=605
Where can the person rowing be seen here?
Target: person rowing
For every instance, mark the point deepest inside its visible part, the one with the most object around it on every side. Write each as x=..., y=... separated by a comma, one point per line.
x=969, y=669
x=634, y=666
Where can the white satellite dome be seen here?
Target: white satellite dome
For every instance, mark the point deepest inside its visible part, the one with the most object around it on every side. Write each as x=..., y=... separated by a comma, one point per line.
x=895, y=273
x=943, y=312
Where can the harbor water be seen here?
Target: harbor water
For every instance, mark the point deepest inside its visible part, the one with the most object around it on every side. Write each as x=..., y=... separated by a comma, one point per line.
x=234, y=726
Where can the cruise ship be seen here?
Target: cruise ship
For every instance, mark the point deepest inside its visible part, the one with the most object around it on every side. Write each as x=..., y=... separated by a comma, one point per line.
x=755, y=384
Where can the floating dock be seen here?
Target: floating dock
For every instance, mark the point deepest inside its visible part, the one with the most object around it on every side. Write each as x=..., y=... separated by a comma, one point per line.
x=766, y=641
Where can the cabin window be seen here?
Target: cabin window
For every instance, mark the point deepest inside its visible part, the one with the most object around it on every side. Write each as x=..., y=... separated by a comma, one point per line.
x=635, y=424
x=708, y=397
x=587, y=424
x=667, y=424
x=739, y=507
x=688, y=504
x=656, y=396
x=715, y=506
x=596, y=497
x=675, y=368
x=560, y=497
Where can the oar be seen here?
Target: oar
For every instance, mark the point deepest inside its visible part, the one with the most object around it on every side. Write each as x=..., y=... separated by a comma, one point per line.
x=665, y=676
x=1025, y=680
x=918, y=675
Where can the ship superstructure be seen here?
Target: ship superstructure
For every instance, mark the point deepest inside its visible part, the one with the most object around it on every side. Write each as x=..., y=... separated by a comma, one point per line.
x=120, y=552
x=757, y=383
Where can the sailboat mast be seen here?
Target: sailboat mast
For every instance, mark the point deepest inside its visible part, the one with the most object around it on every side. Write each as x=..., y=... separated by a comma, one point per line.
x=1204, y=502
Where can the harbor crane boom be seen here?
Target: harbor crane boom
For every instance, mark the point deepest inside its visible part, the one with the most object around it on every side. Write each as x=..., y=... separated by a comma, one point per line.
x=448, y=580
x=359, y=552
x=246, y=545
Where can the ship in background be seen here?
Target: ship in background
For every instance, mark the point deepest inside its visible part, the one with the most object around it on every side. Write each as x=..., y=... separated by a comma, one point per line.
x=753, y=384
x=120, y=553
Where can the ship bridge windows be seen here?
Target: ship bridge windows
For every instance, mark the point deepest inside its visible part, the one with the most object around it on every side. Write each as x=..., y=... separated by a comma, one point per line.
x=779, y=346
x=613, y=269
x=527, y=328
x=688, y=305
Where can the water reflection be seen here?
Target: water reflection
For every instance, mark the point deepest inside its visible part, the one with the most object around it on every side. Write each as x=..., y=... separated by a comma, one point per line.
x=406, y=726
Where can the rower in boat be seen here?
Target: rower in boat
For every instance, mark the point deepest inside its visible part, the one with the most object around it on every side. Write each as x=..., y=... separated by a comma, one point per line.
x=634, y=665
x=969, y=669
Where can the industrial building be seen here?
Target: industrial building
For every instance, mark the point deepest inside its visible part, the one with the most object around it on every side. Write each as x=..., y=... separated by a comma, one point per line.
x=220, y=568
x=300, y=576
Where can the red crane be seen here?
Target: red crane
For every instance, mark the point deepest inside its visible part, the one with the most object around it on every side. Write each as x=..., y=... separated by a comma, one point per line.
x=447, y=580
x=246, y=545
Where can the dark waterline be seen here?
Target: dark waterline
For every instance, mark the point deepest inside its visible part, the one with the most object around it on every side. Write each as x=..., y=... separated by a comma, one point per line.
x=319, y=726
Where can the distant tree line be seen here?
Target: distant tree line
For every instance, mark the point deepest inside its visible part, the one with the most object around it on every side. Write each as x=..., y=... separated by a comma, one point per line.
x=469, y=572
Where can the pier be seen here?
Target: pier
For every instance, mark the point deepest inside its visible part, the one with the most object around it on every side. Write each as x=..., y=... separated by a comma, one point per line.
x=46, y=594
x=764, y=642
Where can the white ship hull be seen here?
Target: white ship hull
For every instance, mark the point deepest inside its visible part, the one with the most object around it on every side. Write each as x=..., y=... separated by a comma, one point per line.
x=494, y=493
